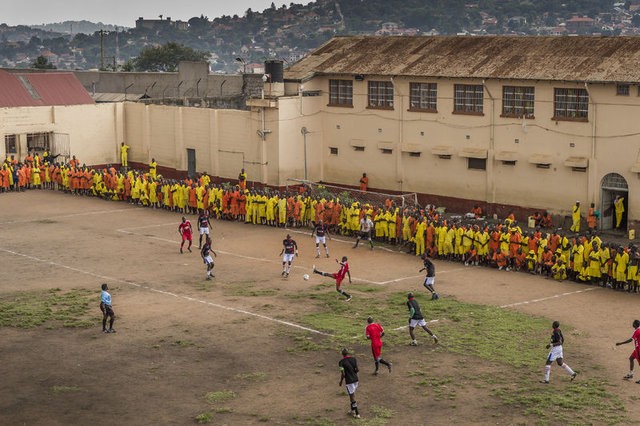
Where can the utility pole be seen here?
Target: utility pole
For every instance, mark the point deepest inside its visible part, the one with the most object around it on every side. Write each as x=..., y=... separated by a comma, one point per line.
x=101, y=49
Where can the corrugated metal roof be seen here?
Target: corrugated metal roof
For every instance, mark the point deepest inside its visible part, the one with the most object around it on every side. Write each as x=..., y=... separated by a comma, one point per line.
x=41, y=89
x=581, y=58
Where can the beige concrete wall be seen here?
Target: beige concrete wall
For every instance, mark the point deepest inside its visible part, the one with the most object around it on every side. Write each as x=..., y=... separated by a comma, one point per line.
x=93, y=129
x=225, y=141
x=609, y=139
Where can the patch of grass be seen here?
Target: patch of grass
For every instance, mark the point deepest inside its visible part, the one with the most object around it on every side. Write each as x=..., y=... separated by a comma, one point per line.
x=256, y=376
x=53, y=307
x=65, y=389
x=584, y=402
x=219, y=396
x=223, y=410
x=46, y=221
x=382, y=412
x=250, y=292
x=440, y=387
x=183, y=343
x=306, y=343
x=204, y=418
x=318, y=421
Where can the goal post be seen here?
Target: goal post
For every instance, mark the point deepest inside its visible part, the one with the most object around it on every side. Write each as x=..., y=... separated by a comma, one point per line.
x=350, y=195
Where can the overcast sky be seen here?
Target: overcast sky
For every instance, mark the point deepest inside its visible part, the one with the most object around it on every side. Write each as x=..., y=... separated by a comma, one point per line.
x=124, y=12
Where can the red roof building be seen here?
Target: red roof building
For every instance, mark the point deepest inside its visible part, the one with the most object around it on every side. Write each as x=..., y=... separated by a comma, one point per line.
x=41, y=89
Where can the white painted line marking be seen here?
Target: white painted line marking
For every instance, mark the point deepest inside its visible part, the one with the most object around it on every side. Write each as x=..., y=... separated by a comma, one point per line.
x=167, y=293
x=555, y=296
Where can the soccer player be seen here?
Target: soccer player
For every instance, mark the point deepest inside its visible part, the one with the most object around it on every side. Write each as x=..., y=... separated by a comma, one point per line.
x=636, y=349
x=289, y=249
x=107, y=310
x=338, y=276
x=365, y=230
x=203, y=224
x=374, y=332
x=556, y=354
x=416, y=319
x=349, y=374
x=185, y=230
x=429, y=280
x=321, y=231
x=206, y=252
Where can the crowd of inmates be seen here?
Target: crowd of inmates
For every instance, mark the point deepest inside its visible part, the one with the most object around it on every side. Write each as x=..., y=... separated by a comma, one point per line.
x=469, y=239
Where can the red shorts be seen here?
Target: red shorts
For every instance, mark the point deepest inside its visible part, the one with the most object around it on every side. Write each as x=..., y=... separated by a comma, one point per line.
x=338, y=279
x=187, y=237
x=636, y=355
x=376, y=349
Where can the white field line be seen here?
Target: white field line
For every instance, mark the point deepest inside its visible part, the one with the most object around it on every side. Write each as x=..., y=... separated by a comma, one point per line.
x=167, y=293
x=69, y=215
x=555, y=296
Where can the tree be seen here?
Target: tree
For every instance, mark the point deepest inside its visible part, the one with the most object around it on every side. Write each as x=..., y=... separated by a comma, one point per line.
x=42, y=63
x=167, y=57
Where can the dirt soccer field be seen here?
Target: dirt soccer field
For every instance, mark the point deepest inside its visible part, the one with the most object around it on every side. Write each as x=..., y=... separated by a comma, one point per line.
x=250, y=347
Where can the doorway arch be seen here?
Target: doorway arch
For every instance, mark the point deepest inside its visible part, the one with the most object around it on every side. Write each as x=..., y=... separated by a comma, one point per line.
x=611, y=185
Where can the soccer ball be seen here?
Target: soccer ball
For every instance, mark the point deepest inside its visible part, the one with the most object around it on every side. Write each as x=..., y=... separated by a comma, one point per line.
x=306, y=277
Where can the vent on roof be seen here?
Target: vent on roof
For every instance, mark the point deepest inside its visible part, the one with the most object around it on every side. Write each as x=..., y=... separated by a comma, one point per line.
x=27, y=85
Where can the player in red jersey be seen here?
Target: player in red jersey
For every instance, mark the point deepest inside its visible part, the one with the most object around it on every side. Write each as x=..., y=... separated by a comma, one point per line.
x=635, y=338
x=185, y=230
x=374, y=332
x=339, y=276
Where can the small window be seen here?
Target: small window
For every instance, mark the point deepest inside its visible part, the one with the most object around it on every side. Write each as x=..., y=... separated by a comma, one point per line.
x=468, y=99
x=380, y=94
x=333, y=150
x=622, y=89
x=508, y=163
x=543, y=166
x=386, y=151
x=445, y=156
x=341, y=93
x=414, y=154
x=358, y=148
x=477, y=163
x=579, y=169
x=11, y=144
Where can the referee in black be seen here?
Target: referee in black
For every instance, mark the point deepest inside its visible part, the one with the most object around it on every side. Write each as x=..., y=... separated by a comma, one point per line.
x=349, y=374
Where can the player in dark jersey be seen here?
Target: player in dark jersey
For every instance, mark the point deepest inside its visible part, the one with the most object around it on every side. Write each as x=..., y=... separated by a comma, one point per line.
x=430, y=279
x=203, y=225
x=185, y=231
x=206, y=252
x=416, y=319
x=321, y=231
x=289, y=249
x=635, y=355
x=338, y=276
x=557, y=339
x=349, y=374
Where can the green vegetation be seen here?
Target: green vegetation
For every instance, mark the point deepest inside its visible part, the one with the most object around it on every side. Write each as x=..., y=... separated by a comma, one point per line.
x=513, y=340
x=204, y=418
x=52, y=307
x=166, y=58
x=65, y=389
x=219, y=396
x=255, y=376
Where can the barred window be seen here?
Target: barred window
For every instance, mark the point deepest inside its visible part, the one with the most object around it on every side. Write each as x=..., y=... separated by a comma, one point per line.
x=380, y=94
x=571, y=104
x=622, y=89
x=11, y=144
x=468, y=99
x=341, y=92
x=38, y=141
x=517, y=101
x=424, y=97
